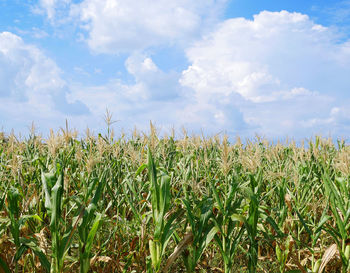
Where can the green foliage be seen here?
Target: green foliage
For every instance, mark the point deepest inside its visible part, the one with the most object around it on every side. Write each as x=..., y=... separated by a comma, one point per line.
x=192, y=204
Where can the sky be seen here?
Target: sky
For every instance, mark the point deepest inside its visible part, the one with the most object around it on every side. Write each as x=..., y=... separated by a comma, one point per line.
x=273, y=68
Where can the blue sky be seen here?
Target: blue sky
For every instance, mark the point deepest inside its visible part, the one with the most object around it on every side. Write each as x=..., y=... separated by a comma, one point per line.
x=275, y=68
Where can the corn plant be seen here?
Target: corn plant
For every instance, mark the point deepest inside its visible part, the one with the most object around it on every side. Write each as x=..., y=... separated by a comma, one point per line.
x=91, y=221
x=13, y=211
x=53, y=192
x=136, y=197
x=160, y=200
x=3, y=264
x=16, y=222
x=199, y=214
x=251, y=222
x=338, y=190
x=228, y=220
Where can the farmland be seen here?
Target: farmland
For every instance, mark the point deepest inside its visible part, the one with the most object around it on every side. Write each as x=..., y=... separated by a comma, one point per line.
x=146, y=203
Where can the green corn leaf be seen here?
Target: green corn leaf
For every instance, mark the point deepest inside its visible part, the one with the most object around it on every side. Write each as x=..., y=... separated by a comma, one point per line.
x=252, y=222
x=333, y=232
x=275, y=227
x=279, y=253
x=3, y=266
x=190, y=217
x=128, y=182
x=164, y=194
x=232, y=190
x=47, y=186
x=153, y=251
x=2, y=199
x=91, y=187
x=324, y=219
x=253, y=216
x=237, y=217
x=99, y=190
x=219, y=225
x=65, y=242
x=347, y=218
x=133, y=208
x=56, y=199
x=152, y=173
x=205, y=241
x=303, y=223
x=234, y=243
x=13, y=211
x=164, y=202
x=220, y=245
x=140, y=169
x=338, y=219
x=337, y=200
x=25, y=218
x=22, y=249
x=168, y=230
x=206, y=212
x=30, y=243
x=216, y=196
x=210, y=236
x=92, y=233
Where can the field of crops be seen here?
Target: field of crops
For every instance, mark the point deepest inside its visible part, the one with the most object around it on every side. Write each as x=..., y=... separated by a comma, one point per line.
x=145, y=203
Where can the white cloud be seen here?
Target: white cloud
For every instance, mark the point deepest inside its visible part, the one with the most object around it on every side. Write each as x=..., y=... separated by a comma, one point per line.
x=158, y=96
x=25, y=69
x=278, y=70
x=337, y=121
x=34, y=32
x=278, y=74
x=155, y=83
x=116, y=26
x=51, y=7
x=31, y=86
x=33, y=89
x=152, y=94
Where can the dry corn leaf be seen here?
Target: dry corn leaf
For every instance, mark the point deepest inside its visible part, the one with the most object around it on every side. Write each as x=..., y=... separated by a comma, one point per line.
x=104, y=259
x=327, y=256
x=177, y=251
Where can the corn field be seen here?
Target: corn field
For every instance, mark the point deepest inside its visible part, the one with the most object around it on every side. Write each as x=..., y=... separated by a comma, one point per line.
x=146, y=203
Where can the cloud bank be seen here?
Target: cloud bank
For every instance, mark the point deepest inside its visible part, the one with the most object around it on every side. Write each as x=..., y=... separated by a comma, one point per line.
x=277, y=74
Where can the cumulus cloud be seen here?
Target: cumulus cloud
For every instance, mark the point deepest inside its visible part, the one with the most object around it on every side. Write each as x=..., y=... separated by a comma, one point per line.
x=158, y=96
x=31, y=86
x=116, y=26
x=278, y=70
x=155, y=83
x=151, y=94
